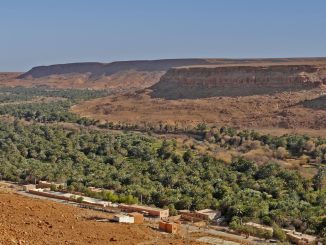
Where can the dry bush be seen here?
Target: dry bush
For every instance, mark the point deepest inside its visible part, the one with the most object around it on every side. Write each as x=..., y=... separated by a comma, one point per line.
x=304, y=159
x=226, y=138
x=260, y=155
x=292, y=164
x=224, y=156
x=310, y=146
x=321, y=148
x=250, y=145
x=281, y=153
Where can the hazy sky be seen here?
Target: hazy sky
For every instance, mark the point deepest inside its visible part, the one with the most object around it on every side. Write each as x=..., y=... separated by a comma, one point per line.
x=42, y=32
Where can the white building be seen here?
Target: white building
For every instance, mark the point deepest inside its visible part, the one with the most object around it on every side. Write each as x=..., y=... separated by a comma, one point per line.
x=123, y=218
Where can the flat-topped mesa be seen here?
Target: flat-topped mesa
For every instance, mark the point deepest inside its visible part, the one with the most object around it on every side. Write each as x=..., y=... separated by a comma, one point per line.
x=95, y=68
x=237, y=80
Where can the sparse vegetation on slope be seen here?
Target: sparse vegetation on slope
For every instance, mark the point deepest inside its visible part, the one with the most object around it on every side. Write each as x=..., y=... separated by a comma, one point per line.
x=279, y=111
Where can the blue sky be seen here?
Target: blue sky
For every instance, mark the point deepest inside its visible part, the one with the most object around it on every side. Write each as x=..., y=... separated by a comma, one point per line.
x=42, y=32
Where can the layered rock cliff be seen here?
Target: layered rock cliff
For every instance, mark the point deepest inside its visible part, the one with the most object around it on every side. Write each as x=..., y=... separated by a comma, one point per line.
x=242, y=80
x=135, y=75
x=116, y=76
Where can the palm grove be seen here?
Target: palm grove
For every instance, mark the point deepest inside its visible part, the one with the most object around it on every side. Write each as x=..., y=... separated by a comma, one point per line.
x=162, y=172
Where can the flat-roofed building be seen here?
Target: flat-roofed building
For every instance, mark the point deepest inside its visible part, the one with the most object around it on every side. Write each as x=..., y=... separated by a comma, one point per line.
x=201, y=215
x=120, y=218
x=208, y=214
x=99, y=190
x=259, y=226
x=169, y=227
x=94, y=189
x=69, y=197
x=29, y=187
x=300, y=238
x=45, y=184
x=151, y=211
x=138, y=217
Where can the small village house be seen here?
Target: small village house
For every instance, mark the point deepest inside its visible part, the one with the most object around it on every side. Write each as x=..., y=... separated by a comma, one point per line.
x=259, y=227
x=201, y=215
x=45, y=184
x=151, y=211
x=138, y=217
x=300, y=238
x=169, y=227
x=121, y=218
x=29, y=187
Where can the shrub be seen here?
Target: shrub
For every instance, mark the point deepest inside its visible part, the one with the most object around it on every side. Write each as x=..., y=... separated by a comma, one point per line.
x=281, y=153
x=278, y=233
x=80, y=199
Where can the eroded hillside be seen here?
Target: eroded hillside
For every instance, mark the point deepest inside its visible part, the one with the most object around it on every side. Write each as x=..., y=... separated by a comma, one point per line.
x=122, y=76
x=280, y=111
x=256, y=96
x=115, y=76
x=259, y=94
x=201, y=82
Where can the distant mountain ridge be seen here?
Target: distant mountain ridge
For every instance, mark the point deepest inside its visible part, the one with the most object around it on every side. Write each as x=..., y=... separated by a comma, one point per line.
x=106, y=69
x=128, y=76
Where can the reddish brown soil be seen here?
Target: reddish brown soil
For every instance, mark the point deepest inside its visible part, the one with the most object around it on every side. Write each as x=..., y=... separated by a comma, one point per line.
x=30, y=221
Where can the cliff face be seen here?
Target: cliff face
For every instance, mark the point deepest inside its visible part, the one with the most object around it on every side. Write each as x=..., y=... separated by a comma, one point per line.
x=201, y=82
x=197, y=76
x=116, y=76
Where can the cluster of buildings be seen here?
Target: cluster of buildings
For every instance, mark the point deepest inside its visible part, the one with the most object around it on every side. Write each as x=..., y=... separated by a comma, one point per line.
x=292, y=236
x=134, y=214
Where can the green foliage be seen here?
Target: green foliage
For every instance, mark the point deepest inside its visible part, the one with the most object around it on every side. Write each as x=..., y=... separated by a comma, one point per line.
x=80, y=199
x=244, y=166
x=294, y=145
x=278, y=233
x=53, y=188
x=14, y=94
x=55, y=111
x=138, y=167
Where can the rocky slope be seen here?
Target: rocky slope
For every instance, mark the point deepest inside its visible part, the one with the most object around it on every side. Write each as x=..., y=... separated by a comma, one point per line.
x=238, y=80
x=123, y=75
x=116, y=76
